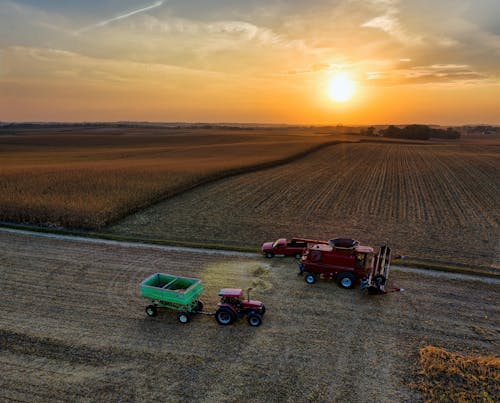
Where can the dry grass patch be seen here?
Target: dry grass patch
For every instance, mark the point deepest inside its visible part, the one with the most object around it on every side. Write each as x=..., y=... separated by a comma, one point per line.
x=453, y=377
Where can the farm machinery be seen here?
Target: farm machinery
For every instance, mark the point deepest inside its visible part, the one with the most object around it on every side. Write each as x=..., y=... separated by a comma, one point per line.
x=182, y=294
x=347, y=262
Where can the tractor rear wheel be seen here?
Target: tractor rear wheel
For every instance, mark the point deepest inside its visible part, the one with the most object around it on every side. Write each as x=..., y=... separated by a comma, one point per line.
x=151, y=310
x=310, y=278
x=183, y=317
x=346, y=280
x=254, y=319
x=224, y=317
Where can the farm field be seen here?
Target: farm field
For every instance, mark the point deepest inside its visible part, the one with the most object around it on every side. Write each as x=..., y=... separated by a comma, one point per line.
x=77, y=177
x=435, y=202
x=72, y=327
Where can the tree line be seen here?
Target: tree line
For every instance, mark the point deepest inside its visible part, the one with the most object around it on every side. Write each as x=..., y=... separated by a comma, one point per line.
x=414, y=132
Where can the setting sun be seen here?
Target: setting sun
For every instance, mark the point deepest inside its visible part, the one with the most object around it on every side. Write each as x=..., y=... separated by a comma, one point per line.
x=341, y=88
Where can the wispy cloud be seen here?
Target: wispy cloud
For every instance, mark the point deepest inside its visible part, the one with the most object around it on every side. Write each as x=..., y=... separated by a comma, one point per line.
x=120, y=17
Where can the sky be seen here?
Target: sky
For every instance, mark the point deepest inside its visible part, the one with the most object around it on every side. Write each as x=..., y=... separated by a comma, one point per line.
x=251, y=61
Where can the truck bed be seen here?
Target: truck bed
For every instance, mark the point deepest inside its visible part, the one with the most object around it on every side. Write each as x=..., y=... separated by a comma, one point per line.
x=170, y=288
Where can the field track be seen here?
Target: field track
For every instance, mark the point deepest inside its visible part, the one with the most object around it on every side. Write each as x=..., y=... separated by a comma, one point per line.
x=72, y=327
x=430, y=202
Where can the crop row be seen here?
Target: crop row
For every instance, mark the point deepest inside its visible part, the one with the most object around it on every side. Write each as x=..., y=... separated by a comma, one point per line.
x=434, y=202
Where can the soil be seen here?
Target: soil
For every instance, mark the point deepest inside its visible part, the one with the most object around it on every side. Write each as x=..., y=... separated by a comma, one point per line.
x=73, y=328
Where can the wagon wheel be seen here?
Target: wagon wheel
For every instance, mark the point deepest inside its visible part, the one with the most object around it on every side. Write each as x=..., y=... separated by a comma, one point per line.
x=151, y=310
x=183, y=317
x=254, y=319
x=346, y=280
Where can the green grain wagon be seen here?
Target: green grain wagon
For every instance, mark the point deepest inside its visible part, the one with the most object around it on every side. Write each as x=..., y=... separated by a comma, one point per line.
x=172, y=292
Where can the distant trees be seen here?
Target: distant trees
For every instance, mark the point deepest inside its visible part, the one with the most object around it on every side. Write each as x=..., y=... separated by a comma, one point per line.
x=419, y=132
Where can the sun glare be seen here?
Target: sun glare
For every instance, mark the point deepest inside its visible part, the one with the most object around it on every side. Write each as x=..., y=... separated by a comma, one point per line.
x=341, y=88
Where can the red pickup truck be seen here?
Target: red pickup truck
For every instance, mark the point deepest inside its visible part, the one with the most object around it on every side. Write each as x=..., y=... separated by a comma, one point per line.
x=283, y=247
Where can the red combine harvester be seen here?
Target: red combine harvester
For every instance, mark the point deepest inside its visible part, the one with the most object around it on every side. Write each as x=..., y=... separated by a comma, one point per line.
x=347, y=262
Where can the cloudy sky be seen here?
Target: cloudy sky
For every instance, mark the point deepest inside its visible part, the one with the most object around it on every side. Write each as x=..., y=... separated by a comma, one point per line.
x=426, y=61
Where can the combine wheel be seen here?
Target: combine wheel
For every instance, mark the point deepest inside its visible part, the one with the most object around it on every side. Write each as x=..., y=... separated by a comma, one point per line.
x=224, y=317
x=380, y=280
x=151, y=310
x=254, y=319
x=183, y=317
x=310, y=278
x=346, y=280
x=269, y=255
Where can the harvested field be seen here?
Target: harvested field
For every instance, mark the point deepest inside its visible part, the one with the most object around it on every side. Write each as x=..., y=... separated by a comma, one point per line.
x=72, y=327
x=434, y=202
x=86, y=178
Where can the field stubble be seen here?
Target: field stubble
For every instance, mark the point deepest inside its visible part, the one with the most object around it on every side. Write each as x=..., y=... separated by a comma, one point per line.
x=434, y=202
x=72, y=327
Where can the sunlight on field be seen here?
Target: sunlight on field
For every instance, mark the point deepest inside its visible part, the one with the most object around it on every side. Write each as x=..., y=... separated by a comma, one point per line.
x=86, y=180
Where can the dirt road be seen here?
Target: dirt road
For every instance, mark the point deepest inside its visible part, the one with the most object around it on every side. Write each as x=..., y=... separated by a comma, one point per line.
x=73, y=327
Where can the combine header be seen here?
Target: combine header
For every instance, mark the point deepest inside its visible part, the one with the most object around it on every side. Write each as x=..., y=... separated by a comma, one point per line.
x=379, y=274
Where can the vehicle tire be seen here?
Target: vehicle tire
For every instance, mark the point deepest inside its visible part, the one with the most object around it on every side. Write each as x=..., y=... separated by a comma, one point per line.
x=310, y=278
x=269, y=255
x=380, y=279
x=298, y=255
x=346, y=280
x=254, y=319
x=183, y=317
x=151, y=311
x=224, y=317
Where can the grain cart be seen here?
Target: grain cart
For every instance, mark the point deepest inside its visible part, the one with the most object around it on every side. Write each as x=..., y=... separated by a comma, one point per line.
x=182, y=294
x=347, y=262
x=173, y=292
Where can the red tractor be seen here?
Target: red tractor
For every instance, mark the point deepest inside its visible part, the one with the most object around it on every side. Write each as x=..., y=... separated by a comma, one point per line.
x=232, y=306
x=347, y=262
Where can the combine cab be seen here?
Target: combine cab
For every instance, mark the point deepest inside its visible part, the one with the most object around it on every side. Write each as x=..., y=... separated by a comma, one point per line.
x=347, y=262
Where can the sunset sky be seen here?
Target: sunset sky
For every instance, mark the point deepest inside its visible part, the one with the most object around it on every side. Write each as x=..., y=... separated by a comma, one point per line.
x=426, y=61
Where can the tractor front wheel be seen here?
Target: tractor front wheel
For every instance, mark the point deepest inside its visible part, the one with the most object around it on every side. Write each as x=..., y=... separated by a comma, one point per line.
x=269, y=255
x=151, y=310
x=224, y=317
x=254, y=319
x=183, y=317
x=346, y=280
x=298, y=255
x=310, y=278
